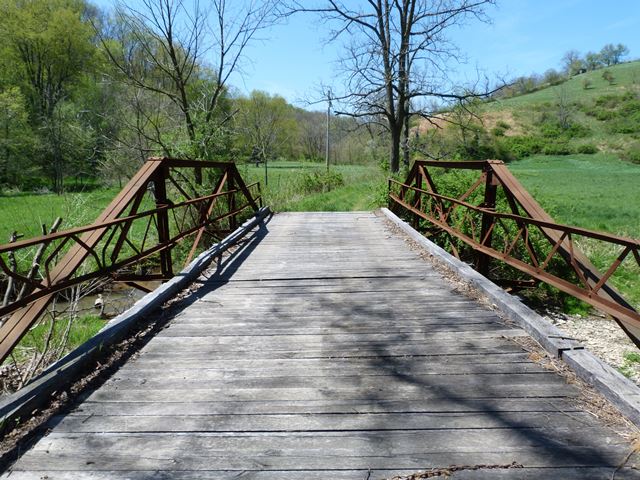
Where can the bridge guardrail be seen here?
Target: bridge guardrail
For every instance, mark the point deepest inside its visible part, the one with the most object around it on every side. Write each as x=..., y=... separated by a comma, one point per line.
x=525, y=238
x=161, y=206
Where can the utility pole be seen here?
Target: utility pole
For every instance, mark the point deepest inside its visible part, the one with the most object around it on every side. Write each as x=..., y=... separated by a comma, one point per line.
x=328, y=119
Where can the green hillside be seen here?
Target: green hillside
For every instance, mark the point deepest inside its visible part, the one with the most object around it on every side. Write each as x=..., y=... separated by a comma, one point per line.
x=587, y=170
x=585, y=114
x=599, y=189
x=625, y=75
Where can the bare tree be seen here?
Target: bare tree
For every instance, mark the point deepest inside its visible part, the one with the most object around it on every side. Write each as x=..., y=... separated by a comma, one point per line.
x=186, y=53
x=312, y=133
x=564, y=106
x=572, y=62
x=396, y=54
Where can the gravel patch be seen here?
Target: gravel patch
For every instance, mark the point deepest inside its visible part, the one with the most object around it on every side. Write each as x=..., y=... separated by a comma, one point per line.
x=602, y=336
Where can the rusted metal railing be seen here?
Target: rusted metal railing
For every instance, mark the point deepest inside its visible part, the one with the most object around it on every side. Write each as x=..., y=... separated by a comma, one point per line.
x=131, y=241
x=522, y=236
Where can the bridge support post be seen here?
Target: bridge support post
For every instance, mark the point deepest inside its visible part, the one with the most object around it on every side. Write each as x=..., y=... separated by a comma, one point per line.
x=486, y=230
x=233, y=221
x=164, y=236
x=418, y=201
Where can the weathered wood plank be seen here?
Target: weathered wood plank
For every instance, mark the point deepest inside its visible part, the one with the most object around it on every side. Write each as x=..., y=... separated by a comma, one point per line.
x=414, y=370
x=445, y=343
x=567, y=473
x=92, y=423
x=280, y=406
x=458, y=392
x=344, y=450
x=335, y=363
x=481, y=381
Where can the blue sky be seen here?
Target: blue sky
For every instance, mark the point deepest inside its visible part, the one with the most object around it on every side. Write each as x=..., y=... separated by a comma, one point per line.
x=524, y=37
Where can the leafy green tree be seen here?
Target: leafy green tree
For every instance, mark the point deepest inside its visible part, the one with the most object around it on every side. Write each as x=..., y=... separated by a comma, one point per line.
x=592, y=61
x=613, y=54
x=50, y=44
x=17, y=140
x=267, y=125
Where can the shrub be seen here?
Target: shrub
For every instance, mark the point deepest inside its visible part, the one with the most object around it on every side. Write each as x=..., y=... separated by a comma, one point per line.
x=557, y=148
x=321, y=181
x=587, y=149
x=497, y=131
x=577, y=130
x=609, y=101
x=521, y=146
x=632, y=154
x=600, y=114
x=608, y=77
x=625, y=124
x=630, y=107
x=551, y=129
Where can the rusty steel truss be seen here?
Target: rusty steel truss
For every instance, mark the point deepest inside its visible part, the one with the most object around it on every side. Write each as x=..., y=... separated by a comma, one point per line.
x=131, y=241
x=494, y=217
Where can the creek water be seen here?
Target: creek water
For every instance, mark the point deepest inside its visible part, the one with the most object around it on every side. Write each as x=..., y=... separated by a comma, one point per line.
x=116, y=298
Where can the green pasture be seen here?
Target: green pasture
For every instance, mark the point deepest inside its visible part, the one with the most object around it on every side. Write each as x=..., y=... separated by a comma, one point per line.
x=598, y=192
x=27, y=212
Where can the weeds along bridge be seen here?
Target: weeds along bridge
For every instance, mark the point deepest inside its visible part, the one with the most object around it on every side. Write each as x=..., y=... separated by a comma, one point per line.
x=328, y=346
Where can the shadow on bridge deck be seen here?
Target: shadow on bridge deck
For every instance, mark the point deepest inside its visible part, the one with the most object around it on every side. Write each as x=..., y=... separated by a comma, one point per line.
x=324, y=348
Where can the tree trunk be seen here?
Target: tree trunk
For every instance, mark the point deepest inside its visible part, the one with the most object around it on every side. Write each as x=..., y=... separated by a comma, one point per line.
x=405, y=141
x=396, y=136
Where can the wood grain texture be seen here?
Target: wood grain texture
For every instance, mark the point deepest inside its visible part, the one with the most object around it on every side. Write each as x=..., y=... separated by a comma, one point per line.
x=329, y=350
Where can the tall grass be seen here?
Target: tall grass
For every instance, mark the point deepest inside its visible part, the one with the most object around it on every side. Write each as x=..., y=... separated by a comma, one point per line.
x=599, y=192
x=286, y=188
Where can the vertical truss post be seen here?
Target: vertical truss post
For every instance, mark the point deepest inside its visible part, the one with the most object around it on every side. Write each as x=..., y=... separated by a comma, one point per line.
x=418, y=200
x=164, y=235
x=486, y=231
x=231, y=199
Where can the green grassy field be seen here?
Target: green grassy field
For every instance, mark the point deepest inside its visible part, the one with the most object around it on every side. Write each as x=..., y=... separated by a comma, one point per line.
x=600, y=192
x=26, y=212
x=363, y=187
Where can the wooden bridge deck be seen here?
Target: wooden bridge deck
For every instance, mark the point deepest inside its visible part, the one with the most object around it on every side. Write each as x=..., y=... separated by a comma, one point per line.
x=328, y=350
